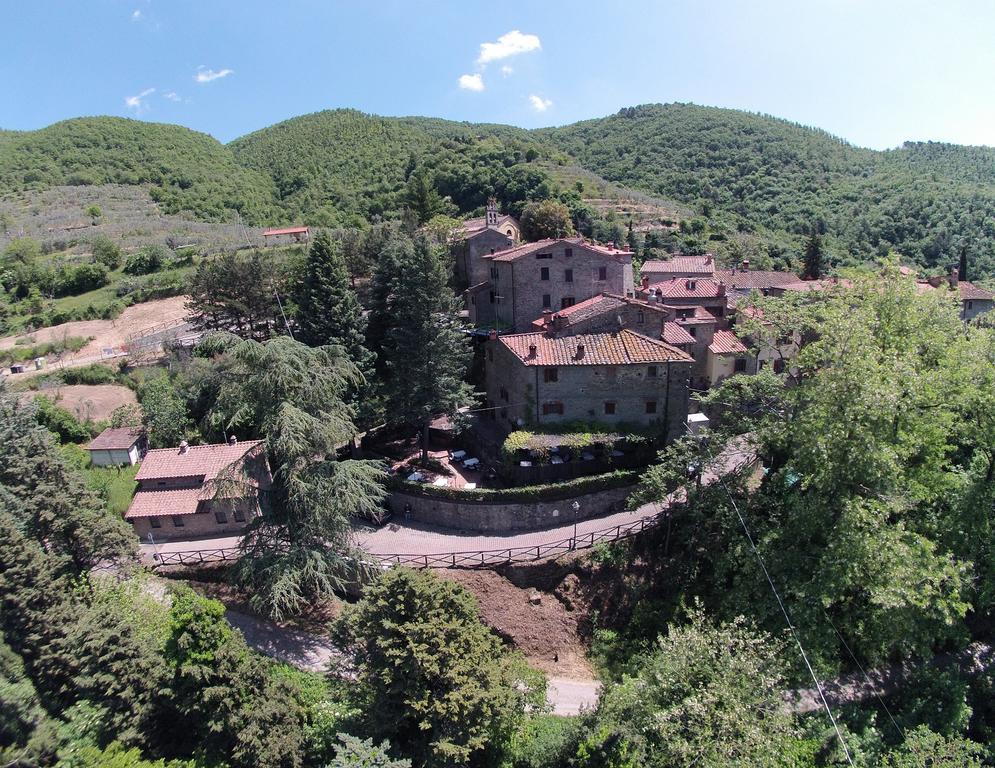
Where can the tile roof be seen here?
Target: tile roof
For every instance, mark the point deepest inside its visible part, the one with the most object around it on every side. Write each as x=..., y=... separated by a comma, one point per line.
x=116, y=439
x=476, y=226
x=172, y=501
x=199, y=460
x=624, y=347
x=738, y=279
x=702, y=265
x=969, y=291
x=526, y=249
x=726, y=343
x=689, y=288
x=675, y=334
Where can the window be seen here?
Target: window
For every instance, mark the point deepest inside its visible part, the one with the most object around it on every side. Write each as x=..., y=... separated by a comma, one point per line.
x=544, y=273
x=566, y=301
x=494, y=273
x=651, y=372
x=693, y=331
x=544, y=255
x=651, y=406
x=568, y=275
x=602, y=273
x=778, y=365
x=220, y=516
x=492, y=296
x=640, y=317
x=609, y=409
x=550, y=374
x=155, y=522
x=239, y=515
x=568, y=252
x=691, y=285
x=504, y=394
x=490, y=355
x=740, y=365
x=177, y=521
x=970, y=305
x=547, y=301
x=552, y=408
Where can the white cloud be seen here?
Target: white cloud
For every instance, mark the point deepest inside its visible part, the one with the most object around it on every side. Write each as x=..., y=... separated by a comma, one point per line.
x=506, y=70
x=207, y=75
x=539, y=104
x=137, y=103
x=471, y=82
x=172, y=96
x=136, y=15
x=509, y=44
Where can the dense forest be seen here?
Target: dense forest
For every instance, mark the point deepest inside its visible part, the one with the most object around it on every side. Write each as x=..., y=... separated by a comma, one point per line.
x=747, y=176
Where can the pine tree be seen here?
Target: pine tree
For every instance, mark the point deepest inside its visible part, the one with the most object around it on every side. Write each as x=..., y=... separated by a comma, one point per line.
x=328, y=311
x=813, y=257
x=962, y=269
x=426, y=352
x=393, y=250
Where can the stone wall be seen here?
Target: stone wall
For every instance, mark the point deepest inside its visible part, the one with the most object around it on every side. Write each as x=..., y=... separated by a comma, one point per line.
x=504, y=516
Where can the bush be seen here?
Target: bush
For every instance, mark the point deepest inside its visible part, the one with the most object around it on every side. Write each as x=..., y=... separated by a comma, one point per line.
x=147, y=260
x=72, y=281
x=545, y=741
x=106, y=252
x=56, y=419
x=525, y=494
x=89, y=374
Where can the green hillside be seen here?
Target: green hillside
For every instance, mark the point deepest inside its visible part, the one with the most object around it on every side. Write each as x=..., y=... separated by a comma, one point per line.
x=924, y=200
x=343, y=166
x=186, y=170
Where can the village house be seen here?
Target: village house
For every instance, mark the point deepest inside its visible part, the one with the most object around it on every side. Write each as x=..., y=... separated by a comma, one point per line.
x=706, y=292
x=617, y=378
x=199, y=490
x=287, y=236
x=549, y=274
x=974, y=301
x=678, y=266
x=743, y=280
x=115, y=447
x=727, y=355
x=478, y=237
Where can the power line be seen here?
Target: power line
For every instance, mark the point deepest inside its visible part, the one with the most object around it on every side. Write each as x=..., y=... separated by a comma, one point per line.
x=784, y=611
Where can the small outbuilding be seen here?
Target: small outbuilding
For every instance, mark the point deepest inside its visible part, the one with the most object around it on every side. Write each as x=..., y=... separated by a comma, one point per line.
x=118, y=446
x=287, y=235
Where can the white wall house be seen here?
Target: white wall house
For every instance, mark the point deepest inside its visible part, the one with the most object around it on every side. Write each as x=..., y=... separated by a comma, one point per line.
x=117, y=447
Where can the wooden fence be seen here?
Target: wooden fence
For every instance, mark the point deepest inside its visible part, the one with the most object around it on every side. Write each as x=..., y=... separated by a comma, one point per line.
x=487, y=558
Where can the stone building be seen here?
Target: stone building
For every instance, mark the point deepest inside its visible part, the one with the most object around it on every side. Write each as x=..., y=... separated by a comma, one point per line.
x=617, y=378
x=478, y=237
x=200, y=490
x=974, y=301
x=743, y=280
x=549, y=274
x=706, y=292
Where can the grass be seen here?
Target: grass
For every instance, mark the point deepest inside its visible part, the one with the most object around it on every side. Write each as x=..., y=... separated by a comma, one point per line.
x=115, y=484
x=21, y=352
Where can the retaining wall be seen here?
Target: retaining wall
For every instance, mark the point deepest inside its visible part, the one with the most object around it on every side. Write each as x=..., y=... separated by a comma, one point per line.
x=503, y=516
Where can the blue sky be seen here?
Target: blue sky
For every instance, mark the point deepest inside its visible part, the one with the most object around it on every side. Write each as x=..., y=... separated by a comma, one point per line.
x=876, y=72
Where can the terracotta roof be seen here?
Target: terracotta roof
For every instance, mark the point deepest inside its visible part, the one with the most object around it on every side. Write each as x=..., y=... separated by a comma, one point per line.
x=689, y=288
x=702, y=265
x=526, y=249
x=286, y=231
x=116, y=439
x=199, y=460
x=622, y=348
x=738, y=279
x=726, y=343
x=969, y=291
x=476, y=226
x=675, y=334
x=173, y=501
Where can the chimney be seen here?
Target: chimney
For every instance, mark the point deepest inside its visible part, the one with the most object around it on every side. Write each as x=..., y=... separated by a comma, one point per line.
x=547, y=317
x=722, y=289
x=954, y=277
x=532, y=350
x=645, y=282
x=492, y=336
x=708, y=258
x=233, y=440
x=580, y=350
x=746, y=265
x=611, y=245
x=492, y=213
x=184, y=447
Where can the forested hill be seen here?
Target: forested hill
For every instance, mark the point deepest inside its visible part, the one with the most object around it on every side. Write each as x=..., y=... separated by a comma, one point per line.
x=186, y=170
x=771, y=179
x=925, y=199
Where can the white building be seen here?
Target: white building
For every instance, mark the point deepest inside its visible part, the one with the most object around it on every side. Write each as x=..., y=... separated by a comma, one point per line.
x=117, y=447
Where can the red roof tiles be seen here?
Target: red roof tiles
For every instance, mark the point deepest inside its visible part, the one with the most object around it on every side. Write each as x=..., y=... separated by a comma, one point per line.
x=697, y=265
x=526, y=249
x=205, y=461
x=759, y=279
x=689, y=288
x=116, y=439
x=285, y=231
x=173, y=501
x=726, y=343
x=622, y=348
x=675, y=334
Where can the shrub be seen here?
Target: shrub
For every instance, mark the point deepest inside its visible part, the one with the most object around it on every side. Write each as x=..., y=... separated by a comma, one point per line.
x=56, y=419
x=525, y=494
x=72, y=281
x=89, y=374
x=106, y=252
x=147, y=260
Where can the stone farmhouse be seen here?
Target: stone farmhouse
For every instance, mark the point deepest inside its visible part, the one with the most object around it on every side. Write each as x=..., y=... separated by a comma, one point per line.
x=178, y=490
x=707, y=292
x=974, y=300
x=618, y=377
x=549, y=274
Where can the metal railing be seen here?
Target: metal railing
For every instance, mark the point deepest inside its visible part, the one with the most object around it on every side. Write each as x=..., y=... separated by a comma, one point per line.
x=486, y=558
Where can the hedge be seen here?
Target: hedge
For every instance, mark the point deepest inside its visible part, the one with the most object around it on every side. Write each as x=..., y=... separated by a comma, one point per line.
x=527, y=493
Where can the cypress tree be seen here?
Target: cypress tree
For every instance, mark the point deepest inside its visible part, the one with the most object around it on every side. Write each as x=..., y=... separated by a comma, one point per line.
x=962, y=268
x=426, y=352
x=813, y=257
x=328, y=311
